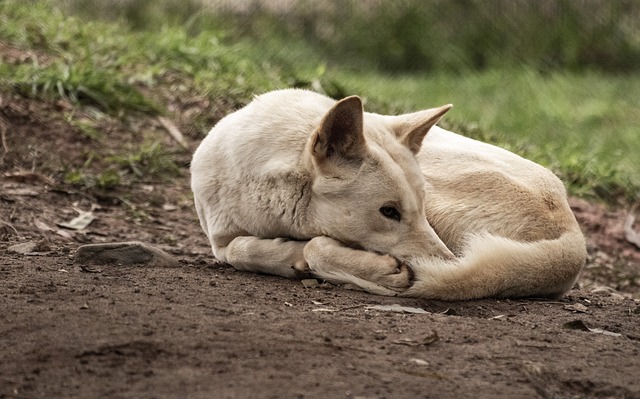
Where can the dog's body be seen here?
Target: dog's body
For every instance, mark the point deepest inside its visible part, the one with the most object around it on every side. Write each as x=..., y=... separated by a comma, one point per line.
x=506, y=218
x=296, y=183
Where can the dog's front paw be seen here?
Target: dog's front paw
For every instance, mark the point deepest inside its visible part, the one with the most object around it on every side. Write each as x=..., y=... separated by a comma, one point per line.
x=392, y=273
x=381, y=274
x=301, y=265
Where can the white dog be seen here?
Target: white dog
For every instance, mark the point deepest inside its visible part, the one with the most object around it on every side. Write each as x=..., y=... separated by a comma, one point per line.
x=298, y=183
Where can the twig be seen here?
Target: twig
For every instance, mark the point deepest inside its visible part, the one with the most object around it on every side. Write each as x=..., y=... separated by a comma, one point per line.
x=174, y=131
x=9, y=225
x=3, y=137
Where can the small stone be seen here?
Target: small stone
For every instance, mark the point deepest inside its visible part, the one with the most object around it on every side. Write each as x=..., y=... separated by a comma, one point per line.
x=419, y=362
x=126, y=254
x=310, y=283
x=29, y=247
x=23, y=248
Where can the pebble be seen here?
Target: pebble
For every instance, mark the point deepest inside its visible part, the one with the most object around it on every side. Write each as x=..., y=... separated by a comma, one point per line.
x=310, y=283
x=29, y=247
x=125, y=254
x=23, y=248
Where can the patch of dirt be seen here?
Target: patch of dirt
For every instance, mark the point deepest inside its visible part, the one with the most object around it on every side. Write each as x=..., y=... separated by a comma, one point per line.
x=613, y=261
x=207, y=330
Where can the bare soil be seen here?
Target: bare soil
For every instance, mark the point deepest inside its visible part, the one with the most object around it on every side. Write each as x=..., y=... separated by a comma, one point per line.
x=207, y=330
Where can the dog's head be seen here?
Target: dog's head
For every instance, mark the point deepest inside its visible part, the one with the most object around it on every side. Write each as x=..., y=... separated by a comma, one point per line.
x=368, y=187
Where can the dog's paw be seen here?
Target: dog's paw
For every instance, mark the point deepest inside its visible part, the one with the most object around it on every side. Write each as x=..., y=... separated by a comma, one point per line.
x=392, y=274
x=301, y=265
x=330, y=259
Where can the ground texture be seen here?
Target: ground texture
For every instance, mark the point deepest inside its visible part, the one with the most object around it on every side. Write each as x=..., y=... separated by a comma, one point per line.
x=206, y=330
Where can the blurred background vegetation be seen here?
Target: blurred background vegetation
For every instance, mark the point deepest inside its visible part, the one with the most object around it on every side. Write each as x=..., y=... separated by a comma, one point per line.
x=412, y=35
x=557, y=81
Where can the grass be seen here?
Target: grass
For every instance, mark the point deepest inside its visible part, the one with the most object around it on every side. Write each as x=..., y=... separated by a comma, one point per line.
x=582, y=125
x=150, y=159
x=77, y=62
x=442, y=36
x=108, y=64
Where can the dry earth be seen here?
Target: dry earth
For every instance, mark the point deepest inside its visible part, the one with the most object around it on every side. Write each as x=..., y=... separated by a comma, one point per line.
x=206, y=330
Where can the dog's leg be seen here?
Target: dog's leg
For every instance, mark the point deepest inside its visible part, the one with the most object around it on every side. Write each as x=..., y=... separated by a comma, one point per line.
x=279, y=256
x=378, y=274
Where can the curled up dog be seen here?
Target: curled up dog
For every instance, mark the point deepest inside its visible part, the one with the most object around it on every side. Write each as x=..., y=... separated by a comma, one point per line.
x=296, y=183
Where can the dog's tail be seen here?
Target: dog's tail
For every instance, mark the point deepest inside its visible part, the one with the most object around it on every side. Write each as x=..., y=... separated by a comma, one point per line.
x=493, y=266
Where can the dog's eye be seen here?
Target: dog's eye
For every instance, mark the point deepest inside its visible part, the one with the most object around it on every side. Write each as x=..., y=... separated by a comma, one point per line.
x=390, y=212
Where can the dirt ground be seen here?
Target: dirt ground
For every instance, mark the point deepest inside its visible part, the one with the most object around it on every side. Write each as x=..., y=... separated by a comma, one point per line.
x=207, y=330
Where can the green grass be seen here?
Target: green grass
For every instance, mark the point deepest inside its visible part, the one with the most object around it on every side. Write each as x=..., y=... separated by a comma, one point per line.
x=77, y=61
x=442, y=36
x=150, y=159
x=110, y=66
x=583, y=126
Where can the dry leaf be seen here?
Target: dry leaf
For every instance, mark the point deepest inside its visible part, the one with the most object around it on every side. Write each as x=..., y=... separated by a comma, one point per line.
x=64, y=234
x=428, y=340
x=581, y=326
x=80, y=222
x=89, y=270
x=604, y=332
x=396, y=308
x=42, y=225
x=173, y=130
x=578, y=307
x=28, y=177
x=23, y=192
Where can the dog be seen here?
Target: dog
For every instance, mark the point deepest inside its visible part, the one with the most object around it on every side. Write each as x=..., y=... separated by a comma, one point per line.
x=298, y=184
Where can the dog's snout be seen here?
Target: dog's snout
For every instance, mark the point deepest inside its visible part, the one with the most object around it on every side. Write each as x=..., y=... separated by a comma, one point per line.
x=430, y=245
x=447, y=254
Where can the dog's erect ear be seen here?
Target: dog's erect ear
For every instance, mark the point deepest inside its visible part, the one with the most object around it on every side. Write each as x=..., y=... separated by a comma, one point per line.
x=340, y=136
x=411, y=129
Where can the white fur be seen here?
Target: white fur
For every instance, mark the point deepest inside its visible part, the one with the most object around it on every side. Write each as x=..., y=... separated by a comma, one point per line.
x=295, y=183
x=506, y=218
x=492, y=266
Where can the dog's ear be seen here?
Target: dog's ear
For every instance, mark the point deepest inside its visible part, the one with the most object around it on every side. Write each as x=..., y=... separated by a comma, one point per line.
x=340, y=136
x=411, y=129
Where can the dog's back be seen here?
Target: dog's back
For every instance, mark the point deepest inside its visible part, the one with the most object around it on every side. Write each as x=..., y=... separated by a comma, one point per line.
x=247, y=166
x=483, y=188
